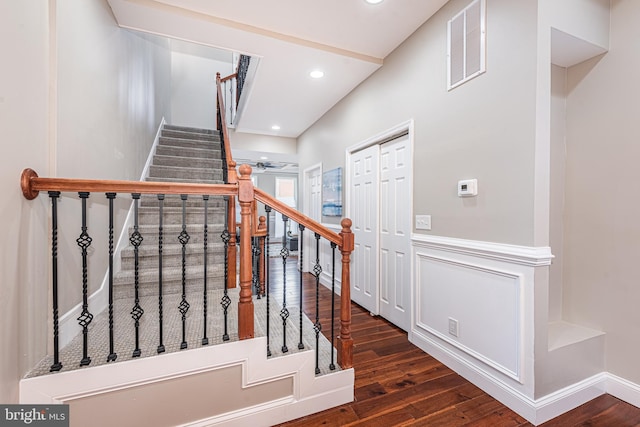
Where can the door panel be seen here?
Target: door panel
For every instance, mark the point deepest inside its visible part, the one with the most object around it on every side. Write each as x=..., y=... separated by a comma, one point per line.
x=364, y=211
x=395, y=231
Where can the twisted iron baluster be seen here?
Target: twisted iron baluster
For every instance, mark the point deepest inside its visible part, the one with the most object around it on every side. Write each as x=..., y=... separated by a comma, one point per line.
x=54, y=195
x=332, y=366
x=205, y=340
x=161, y=348
x=136, y=240
x=317, y=327
x=266, y=273
x=301, y=250
x=284, y=312
x=112, y=354
x=255, y=250
x=183, y=238
x=226, y=237
x=85, y=318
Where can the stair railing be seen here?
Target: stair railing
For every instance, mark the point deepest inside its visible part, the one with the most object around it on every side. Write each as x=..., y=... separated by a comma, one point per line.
x=344, y=243
x=260, y=237
x=32, y=184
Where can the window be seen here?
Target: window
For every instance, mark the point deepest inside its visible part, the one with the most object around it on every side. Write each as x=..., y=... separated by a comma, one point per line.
x=466, y=44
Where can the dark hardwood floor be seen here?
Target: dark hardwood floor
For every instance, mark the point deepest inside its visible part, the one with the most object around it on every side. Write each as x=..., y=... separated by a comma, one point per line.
x=397, y=384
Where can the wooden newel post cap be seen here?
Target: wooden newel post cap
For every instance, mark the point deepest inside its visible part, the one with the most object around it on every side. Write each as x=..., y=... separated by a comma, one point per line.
x=245, y=171
x=347, y=236
x=346, y=225
x=262, y=222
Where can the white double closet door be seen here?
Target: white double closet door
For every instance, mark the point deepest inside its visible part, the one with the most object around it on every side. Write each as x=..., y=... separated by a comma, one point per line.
x=380, y=198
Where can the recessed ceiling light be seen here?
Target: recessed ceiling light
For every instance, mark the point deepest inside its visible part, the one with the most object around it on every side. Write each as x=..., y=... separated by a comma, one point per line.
x=264, y=158
x=316, y=74
x=373, y=1
x=275, y=127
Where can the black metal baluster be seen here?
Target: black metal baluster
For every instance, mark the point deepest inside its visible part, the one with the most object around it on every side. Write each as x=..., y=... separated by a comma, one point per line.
x=161, y=348
x=183, y=238
x=136, y=240
x=266, y=274
x=332, y=366
x=284, y=312
x=112, y=354
x=317, y=327
x=226, y=237
x=85, y=318
x=256, y=266
x=54, y=195
x=301, y=251
x=205, y=340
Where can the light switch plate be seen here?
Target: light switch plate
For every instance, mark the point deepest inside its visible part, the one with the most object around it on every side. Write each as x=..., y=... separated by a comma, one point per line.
x=423, y=222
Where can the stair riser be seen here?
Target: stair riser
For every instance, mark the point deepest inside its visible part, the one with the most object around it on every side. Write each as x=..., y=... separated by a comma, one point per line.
x=166, y=150
x=189, y=143
x=193, y=287
x=192, y=202
x=187, y=162
x=196, y=237
x=172, y=261
x=184, y=173
x=174, y=275
x=171, y=218
x=184, y=180
x=169, y=133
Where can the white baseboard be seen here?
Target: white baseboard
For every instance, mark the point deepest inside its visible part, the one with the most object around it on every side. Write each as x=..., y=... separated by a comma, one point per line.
x=536, y=411
x=623, y=389
x=99, y=300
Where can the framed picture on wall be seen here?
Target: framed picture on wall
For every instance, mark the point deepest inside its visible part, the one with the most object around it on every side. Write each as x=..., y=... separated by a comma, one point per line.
x=332, y=192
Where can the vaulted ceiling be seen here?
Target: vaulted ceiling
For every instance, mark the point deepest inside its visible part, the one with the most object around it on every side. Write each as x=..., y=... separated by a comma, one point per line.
x=346, y=39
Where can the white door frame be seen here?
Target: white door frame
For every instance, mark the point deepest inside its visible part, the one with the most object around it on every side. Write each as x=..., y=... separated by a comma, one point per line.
x=306, y=208
x=378, y=139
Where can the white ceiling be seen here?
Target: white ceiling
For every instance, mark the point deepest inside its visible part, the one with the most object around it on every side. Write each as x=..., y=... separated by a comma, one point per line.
x=347, y=39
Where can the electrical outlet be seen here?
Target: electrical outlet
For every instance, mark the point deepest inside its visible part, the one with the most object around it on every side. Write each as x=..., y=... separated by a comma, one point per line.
x=423, y=222
x=453, y=327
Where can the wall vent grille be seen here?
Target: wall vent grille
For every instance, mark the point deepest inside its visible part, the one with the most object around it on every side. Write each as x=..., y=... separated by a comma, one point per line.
x=466, y=44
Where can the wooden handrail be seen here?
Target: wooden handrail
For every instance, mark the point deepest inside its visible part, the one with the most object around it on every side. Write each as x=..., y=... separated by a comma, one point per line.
x=32, y=184
x=229, y=77
x=298, y=217
x=232, y=175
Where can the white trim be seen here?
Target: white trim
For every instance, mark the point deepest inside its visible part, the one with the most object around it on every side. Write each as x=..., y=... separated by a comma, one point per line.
x=623, y=389
x=99, y=299
x=515, y=374
x=536, y=411
x=513, y=254
x=310, y=393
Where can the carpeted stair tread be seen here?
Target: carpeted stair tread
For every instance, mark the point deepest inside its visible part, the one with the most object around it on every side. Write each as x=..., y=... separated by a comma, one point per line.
x=187, y=162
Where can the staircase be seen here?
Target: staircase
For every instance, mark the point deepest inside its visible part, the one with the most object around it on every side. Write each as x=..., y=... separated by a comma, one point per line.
x=183, y=155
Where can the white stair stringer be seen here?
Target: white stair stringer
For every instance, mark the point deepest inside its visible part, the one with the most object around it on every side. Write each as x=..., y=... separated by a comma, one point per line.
x=90, y=391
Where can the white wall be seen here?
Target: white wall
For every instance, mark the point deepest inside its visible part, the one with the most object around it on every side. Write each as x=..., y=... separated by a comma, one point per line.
x=24, y=109
x=268, y=143
x=70, y=106
x=602, y=235
x=557, y=190
x=113, y=88
x=483, y=129
x=193, y=89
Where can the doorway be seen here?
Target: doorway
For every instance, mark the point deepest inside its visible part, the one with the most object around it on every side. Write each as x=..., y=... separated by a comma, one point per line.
x=380, y=206
x=312, y=207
